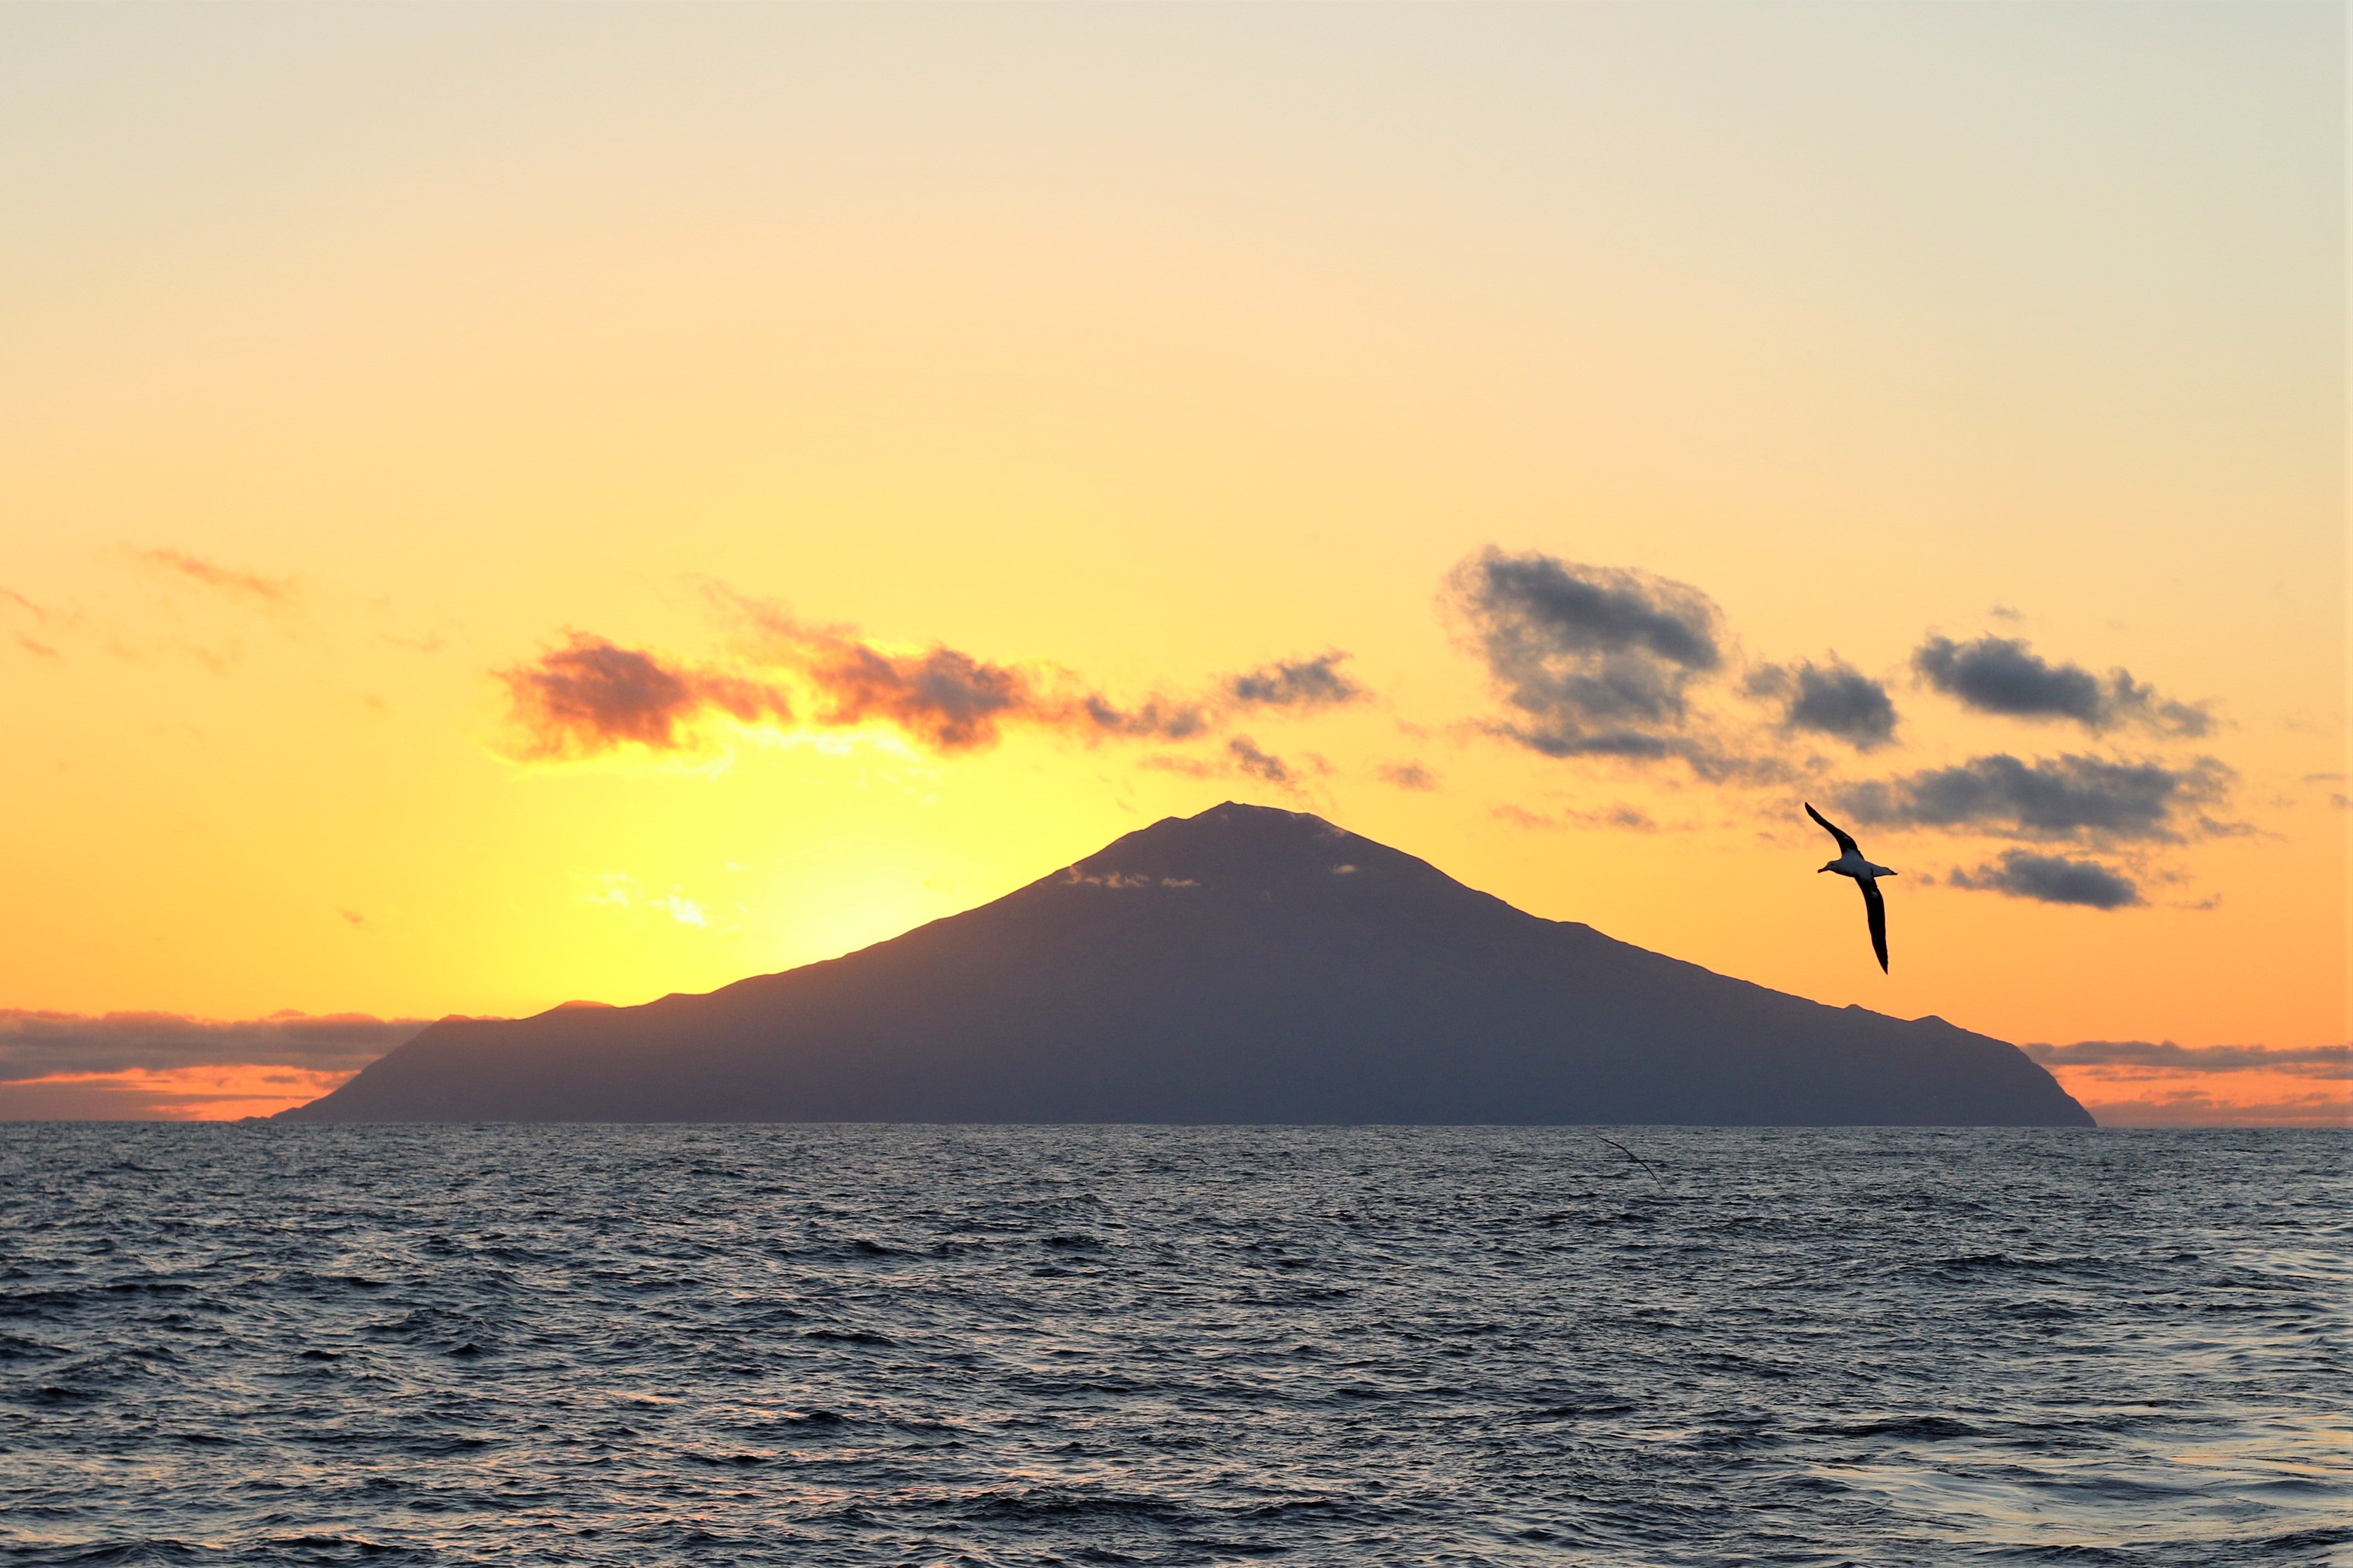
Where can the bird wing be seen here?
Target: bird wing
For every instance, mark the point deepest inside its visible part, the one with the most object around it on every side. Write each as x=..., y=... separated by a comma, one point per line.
x=1876, y=908
x=1844, y=841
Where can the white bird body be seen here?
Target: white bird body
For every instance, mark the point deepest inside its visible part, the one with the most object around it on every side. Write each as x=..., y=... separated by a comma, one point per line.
x=1852, y=864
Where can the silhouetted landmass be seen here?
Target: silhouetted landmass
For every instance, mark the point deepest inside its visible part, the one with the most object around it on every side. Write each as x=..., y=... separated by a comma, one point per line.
x=1244, y=965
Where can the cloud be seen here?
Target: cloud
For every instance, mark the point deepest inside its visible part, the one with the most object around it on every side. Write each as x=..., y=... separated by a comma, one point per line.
x=1296, y=683
x=2067, y=797
x=591, y=696
x=270, y=592
x=944, y=698
x=213, y=1093
x=43, y=1044
x=2052, y=879
x=1245, y=758
x=1407, y=775
x=2196, y=1107
x=1598, y=659
x=1187, y=767
x=199, y=618
x=1621, y=819
x=2307, y=1061
x=1158, y=719
x=1835, y=700
x=2005, y=675
x=1124, y=879
x=1256, y=764
x=15, y=607
x=620, y=890
x=2141, y=1083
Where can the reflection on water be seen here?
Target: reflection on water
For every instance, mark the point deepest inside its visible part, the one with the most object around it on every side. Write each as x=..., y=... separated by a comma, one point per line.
x=1169, y=1346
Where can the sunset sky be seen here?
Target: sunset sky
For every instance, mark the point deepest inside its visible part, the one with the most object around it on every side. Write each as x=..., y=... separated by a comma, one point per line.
x=506, y=504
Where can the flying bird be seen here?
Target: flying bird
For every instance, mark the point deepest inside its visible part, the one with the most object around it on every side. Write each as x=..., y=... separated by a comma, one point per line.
x=1866, y=876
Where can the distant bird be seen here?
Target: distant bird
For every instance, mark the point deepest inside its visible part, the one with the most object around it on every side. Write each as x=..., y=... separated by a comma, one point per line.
x=1636, y=1158
x=1866, y=876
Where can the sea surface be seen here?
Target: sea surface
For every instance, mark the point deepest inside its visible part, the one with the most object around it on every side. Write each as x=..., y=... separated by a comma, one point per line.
x=1007, y=1345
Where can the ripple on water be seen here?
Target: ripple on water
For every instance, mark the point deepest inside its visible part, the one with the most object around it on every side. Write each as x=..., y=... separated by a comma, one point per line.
x=1169, y=1346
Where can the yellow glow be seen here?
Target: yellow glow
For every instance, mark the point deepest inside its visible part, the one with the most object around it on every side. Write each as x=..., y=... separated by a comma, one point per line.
x=1863, y=333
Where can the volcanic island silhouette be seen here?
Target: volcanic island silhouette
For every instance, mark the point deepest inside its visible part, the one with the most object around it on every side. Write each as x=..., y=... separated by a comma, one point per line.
x=1246, y=965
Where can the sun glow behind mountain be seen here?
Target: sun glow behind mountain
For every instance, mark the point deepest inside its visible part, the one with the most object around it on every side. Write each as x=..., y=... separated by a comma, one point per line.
x=517, y=505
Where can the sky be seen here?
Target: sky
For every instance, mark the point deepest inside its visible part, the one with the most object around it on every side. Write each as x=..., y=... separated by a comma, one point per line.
x=502, y=505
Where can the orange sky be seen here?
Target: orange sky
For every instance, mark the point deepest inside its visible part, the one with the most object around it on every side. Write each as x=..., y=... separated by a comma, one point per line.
x=368, y=363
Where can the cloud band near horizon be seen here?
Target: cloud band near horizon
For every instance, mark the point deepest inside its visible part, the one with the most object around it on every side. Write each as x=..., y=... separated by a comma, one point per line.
x=591, y=696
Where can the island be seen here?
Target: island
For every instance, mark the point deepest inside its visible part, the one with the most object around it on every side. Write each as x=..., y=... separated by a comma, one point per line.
x=1244, y=965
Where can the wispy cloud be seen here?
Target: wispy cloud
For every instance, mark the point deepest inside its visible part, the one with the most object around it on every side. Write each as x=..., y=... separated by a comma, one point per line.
x=1241, y=757
x=1619, y=819
x=248, y=587
x=21, y=614
x=2298, y=1061
x=620, y=890
x=1407, y=775
x=2197, y=1106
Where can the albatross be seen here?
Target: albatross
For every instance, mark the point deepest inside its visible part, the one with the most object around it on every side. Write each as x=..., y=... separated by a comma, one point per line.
x=1866, y=876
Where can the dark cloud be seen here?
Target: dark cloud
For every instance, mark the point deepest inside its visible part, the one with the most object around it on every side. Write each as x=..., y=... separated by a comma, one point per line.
x=1296, y=683
x=1835, y=700
x=1256, y=764
x=2005, y=675
x=39, y=1045
x=1158, y=717
x=2047, y=798
x=2310, y=1062
x=1409, y=775
x=2051, y=879
x=1597, y=660
x=591, y=696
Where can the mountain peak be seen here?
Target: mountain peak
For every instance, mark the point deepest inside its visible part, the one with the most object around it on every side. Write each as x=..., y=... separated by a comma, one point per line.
x=1234, y=845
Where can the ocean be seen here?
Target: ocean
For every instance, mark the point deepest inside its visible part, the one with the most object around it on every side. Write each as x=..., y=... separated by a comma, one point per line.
x=1029, y=1345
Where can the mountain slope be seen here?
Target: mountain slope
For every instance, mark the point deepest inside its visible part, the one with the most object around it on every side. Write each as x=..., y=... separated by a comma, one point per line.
x=1244, y=965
